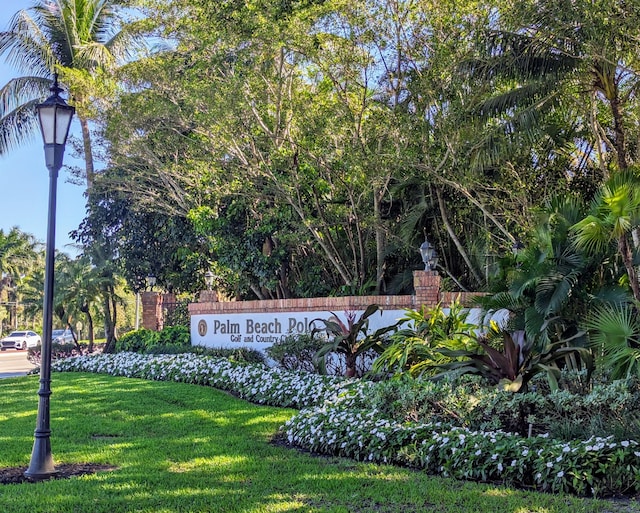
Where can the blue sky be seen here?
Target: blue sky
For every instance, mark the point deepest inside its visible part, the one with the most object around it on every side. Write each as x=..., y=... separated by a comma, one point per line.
x=24, y=179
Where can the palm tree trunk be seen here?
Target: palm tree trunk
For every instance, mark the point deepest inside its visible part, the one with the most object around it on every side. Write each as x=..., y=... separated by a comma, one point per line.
x=88, y=152
x=90, y=328
x=627, y=257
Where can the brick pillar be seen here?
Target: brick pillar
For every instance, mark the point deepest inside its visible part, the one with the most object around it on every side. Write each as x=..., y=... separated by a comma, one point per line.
x=427, y=288
x=208, y=296
x=152, y=311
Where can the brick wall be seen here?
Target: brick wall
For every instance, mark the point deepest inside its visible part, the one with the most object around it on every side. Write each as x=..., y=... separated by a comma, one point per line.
x=426, y=285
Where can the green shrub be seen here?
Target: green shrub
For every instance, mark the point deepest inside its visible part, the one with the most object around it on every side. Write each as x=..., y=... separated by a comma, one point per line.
x=296, y=352
x=144, y=340
x=239, y=354
x=608, y=409
x=167, y=349
x=137, y=341
x=175, y=335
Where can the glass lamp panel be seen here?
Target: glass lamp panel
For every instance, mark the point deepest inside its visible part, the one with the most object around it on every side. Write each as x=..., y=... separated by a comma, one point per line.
x=63, y=121
x=47, y=117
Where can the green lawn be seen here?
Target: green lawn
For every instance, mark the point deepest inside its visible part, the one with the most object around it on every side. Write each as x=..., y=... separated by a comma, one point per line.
x=185, y=448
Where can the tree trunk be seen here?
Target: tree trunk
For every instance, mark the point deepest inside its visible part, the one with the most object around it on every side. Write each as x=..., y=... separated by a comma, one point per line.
x=454, y=238
x=90, y=328
x=109, y=327
x=380, y=241
x=627, y=258
x=88, y=152
x=350, y=362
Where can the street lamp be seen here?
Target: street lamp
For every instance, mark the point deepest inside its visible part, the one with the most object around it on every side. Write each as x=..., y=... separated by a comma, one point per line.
x=429, y=256
x=208, y=279
x=55, y=118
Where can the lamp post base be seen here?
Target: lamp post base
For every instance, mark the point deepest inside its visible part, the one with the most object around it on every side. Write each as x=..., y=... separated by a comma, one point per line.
x=41, y=466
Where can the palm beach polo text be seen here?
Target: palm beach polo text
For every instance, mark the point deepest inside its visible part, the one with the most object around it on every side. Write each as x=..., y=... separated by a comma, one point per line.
x=261, y=330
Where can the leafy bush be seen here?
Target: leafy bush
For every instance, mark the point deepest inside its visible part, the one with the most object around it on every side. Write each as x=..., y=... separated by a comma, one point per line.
x=296, y=352
x=414, y=349
x=137, y=341
x=608, y=409
x=175, y=335
x=144, y=340
x=34, y=354
x=237, y=354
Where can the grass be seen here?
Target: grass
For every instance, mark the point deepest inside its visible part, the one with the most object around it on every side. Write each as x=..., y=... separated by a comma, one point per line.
x=185, y=448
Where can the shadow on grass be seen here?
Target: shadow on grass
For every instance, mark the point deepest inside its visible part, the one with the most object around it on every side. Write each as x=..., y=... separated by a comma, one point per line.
x=184, y=448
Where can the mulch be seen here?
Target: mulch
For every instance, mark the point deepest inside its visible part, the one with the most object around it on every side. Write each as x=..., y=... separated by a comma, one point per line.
x=15, y=475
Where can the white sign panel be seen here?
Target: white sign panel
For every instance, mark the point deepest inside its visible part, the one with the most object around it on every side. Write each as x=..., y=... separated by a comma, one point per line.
x=261, y=330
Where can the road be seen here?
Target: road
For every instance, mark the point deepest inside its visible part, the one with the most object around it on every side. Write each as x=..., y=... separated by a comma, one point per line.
x=14, y=363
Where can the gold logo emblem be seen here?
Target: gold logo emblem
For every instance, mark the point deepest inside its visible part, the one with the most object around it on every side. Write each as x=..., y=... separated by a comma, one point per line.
x=202, y=328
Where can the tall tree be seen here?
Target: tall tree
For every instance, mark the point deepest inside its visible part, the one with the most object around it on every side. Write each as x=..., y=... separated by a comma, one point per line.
x=17, y=256
x=79, y=292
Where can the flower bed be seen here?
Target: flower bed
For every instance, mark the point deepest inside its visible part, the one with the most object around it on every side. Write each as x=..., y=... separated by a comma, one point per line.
x=334, y=420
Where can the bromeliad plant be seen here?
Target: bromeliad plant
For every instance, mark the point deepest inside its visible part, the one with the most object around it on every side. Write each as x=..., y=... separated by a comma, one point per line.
x=514, y=364
x=350, y=339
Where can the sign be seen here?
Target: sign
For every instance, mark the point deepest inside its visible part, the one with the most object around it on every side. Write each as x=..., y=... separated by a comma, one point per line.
x=261, y=330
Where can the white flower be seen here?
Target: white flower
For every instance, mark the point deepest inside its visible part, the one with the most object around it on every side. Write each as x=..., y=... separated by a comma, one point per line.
x=560, y=474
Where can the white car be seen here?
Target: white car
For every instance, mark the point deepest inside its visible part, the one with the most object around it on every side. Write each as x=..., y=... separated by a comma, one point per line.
x=62, y=337
x=20, y=340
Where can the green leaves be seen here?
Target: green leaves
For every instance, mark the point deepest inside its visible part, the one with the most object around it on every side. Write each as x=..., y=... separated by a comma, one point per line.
x=350, y=338
x=614, y=332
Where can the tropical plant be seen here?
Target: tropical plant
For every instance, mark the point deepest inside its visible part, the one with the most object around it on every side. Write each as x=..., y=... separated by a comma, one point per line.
x=350, y=339
x=78, y=292
x=414, y=349
x=613, y=222
x=555, y=282
x=514, y=364
x=614, y=333
x=17, y=256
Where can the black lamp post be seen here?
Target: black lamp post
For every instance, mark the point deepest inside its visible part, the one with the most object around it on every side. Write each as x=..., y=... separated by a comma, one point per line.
x=55, y=118
x=429, y=256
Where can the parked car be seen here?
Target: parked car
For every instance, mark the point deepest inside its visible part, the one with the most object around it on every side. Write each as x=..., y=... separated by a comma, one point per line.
x=20, y=340
x=62, y=337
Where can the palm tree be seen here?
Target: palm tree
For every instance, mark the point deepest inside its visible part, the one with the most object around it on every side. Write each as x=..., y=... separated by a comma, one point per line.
x=553, y=65
x=614, y=217
x=78, y=292
x=83, y=41
x=17, y=256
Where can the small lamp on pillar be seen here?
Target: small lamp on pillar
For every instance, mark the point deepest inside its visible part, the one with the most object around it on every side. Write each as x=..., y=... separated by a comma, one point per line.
x=517, y=247
x=151, y=281
x=208, y=279
x=429, y=256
